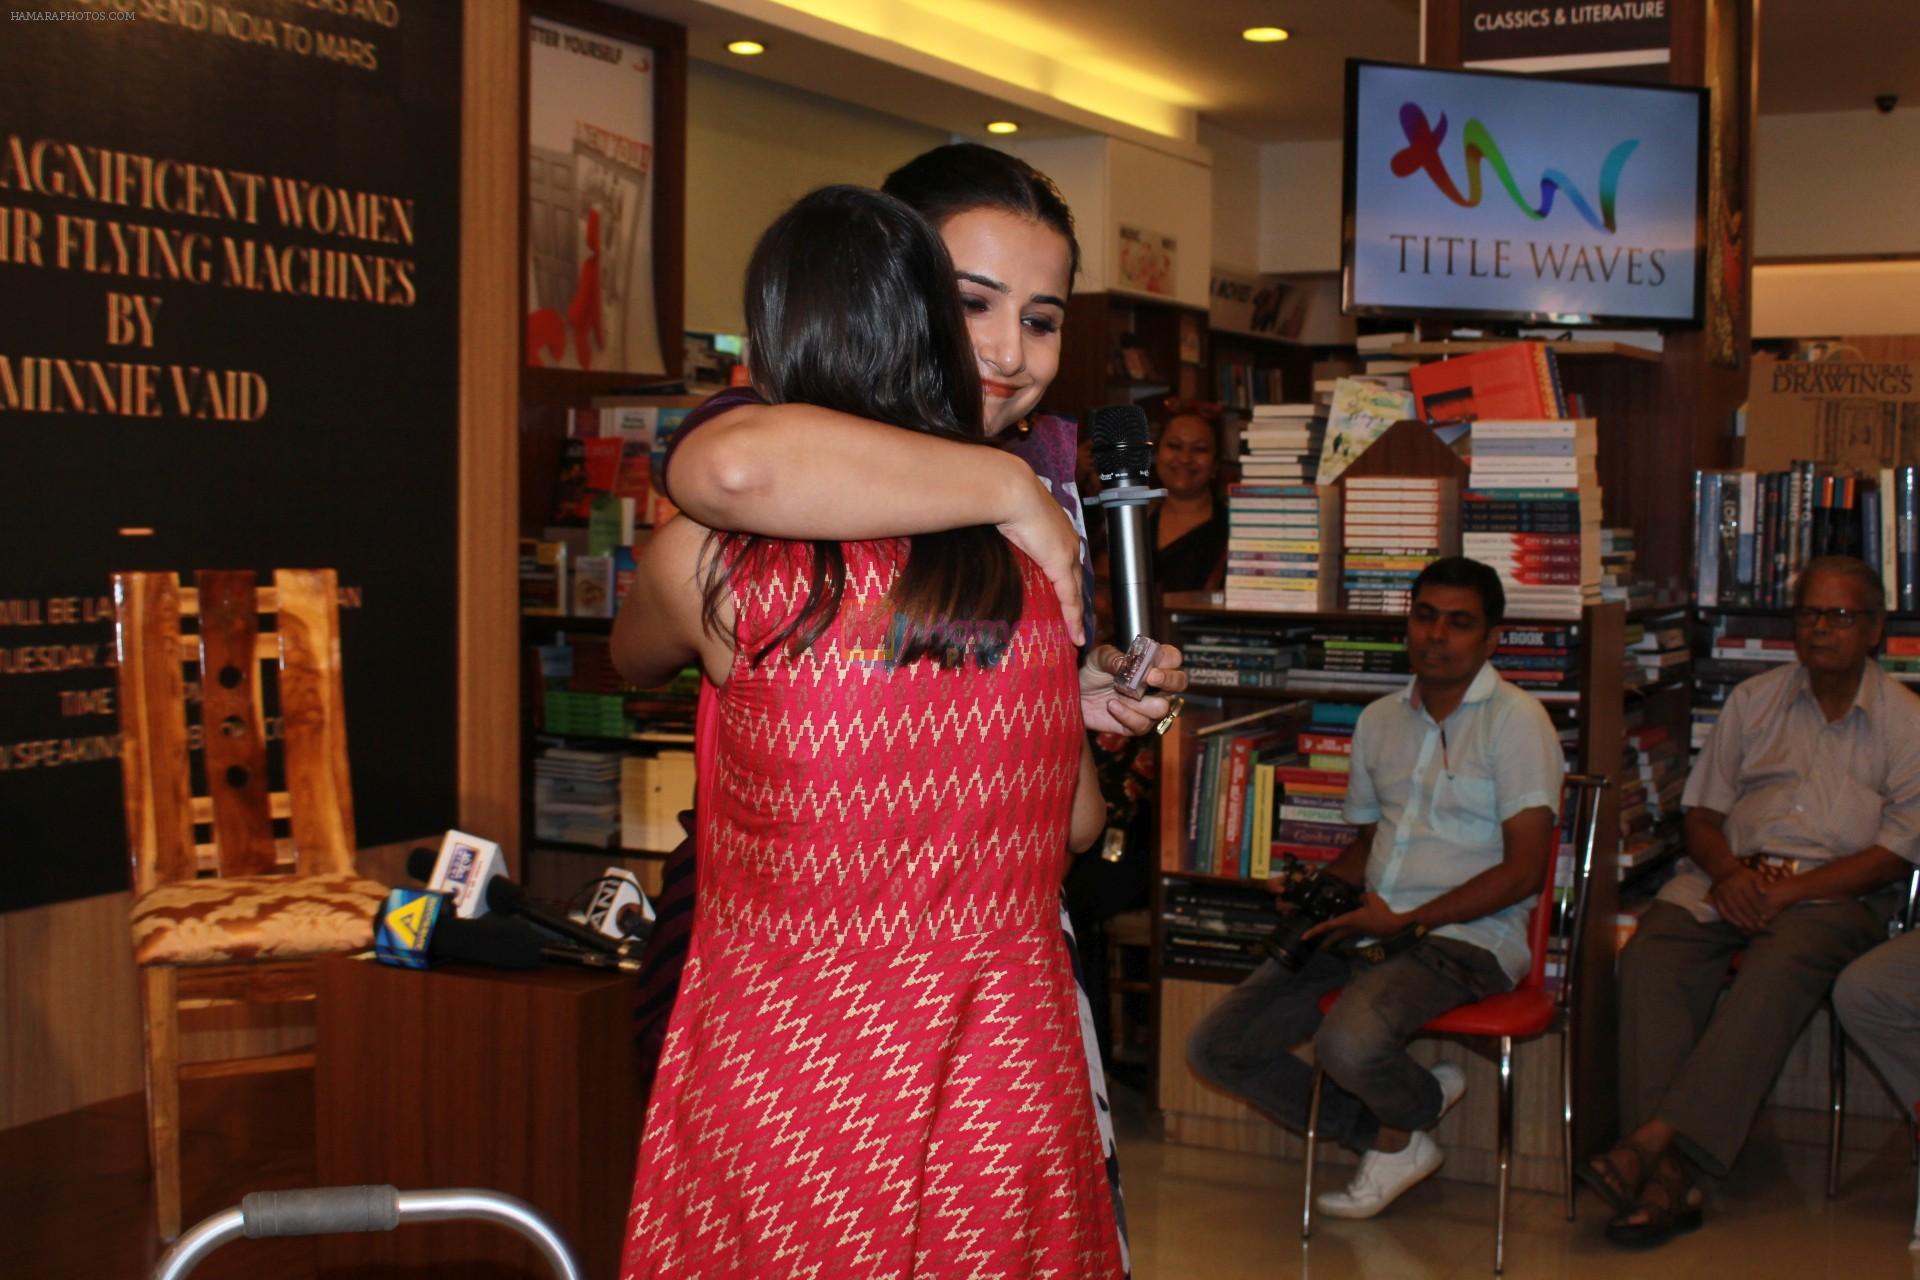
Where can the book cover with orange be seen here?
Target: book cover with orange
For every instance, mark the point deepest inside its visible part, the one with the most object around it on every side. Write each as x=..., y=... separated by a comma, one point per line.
x=1518, y=380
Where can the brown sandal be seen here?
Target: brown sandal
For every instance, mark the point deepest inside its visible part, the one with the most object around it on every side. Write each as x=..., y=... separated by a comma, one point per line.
x=1667, y=1200
x=1603, y=1174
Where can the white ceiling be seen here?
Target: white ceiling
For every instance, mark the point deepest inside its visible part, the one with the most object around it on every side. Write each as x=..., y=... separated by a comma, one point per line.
x=1815, y=55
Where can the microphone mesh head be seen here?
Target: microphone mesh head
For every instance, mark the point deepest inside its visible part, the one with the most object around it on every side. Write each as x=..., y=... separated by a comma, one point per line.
x=1120, y=445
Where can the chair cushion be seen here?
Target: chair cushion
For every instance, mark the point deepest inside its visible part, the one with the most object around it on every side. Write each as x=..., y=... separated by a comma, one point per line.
x=1524, y=1012
x=254, y=918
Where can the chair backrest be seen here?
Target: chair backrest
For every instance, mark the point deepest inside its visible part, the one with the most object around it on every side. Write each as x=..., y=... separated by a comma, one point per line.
x=1561, y=911
x=227, y=648
x=1911, y=907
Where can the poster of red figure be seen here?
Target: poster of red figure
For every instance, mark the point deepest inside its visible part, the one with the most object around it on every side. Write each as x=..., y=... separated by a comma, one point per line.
x=590, y=192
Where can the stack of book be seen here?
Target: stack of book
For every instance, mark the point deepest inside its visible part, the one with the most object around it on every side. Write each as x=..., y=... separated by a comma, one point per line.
x=1214, y=926
x=1221, y=655
x=1308, y=824
x=576, y=796
x=1650, y=796
x=1394, y=527
x=1753, y=531
x=1542, y=660
x=1281, y=443
x=1739, y=648
x=1378, y=362
x=1532, y=511
x=1618, y=579
x=1280, y=554
x=1900, y=655
x=1351, y=660
x=1658, y=654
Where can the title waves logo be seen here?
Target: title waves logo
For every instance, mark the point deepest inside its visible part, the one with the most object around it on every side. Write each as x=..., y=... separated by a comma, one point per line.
x=1422, y=152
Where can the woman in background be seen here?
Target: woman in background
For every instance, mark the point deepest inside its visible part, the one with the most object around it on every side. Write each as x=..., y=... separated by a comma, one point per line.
x=1190, y=523
x=874, y=1067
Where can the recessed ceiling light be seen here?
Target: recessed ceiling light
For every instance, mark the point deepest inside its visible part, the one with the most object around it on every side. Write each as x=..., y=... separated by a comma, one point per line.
x=1265, y=35
x=746, y=48
x=1003, y=126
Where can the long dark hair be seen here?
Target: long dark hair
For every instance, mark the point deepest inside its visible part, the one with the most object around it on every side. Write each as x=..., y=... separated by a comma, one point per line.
x=963, y=176
x=851, y=306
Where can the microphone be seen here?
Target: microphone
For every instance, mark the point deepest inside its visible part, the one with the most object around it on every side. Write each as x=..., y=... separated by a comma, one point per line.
x=465, y=865
x=417, y=928
x=509, y=899
x=619, y=909
x=1124, y=459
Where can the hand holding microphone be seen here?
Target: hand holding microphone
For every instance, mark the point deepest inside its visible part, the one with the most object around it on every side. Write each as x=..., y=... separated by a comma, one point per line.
x=1150, y=671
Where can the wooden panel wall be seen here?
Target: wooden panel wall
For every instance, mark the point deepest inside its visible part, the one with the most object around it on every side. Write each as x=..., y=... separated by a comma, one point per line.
x=493, y=152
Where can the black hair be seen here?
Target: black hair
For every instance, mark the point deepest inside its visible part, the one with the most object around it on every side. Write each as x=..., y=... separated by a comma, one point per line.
x=851, y=305
x=963, y=176
x=1459, y=571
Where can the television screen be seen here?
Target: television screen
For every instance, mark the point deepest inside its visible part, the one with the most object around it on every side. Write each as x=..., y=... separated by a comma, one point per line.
x=1485, y=195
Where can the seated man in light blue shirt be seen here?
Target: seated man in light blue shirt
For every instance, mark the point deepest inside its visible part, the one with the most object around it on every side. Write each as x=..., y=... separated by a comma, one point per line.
x=1455, y=789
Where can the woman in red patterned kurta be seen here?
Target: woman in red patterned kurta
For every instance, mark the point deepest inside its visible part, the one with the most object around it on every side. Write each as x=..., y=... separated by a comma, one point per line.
x=874, y=1066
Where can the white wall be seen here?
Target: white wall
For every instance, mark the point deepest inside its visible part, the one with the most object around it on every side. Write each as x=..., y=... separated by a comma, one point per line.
x=1110, y=181
x=1300, y=206
x=753, y=147
x=1837, y=182
x=1236, y=198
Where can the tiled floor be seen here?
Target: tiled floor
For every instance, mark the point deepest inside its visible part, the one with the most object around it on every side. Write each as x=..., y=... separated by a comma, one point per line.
x=1210, y=1215
x=75, y=1204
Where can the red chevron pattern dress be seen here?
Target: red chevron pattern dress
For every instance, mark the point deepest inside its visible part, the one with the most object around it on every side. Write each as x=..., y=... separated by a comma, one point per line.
x=874, y=1066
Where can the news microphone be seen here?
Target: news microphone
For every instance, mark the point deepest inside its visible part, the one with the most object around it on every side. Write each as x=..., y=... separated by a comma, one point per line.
x=418, y=928
x=1124, y=460
x=462, y=870
x=509, y=899
x=619, y=909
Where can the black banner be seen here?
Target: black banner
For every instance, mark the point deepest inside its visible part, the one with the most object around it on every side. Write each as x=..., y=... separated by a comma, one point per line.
x=229, y=241
x=1563, y=36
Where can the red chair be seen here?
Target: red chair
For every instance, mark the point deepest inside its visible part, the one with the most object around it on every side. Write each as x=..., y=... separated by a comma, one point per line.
x=1530, y=1009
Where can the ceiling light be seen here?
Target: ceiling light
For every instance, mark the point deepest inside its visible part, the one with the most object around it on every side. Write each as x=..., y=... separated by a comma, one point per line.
x=1003, y=126
x=746, y=48
x=1265, y=35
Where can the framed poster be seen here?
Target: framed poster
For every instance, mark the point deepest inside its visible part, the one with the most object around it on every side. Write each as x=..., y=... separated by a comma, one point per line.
x=605, y=154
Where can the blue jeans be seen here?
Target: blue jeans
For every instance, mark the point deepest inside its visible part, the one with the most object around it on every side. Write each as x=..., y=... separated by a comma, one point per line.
x=1245, y=1046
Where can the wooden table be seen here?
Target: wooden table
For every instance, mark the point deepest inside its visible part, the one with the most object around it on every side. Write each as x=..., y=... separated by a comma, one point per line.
x=467, y=1077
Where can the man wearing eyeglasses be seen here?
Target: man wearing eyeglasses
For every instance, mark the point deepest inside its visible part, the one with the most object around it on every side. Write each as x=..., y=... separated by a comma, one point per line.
x=1805, y=800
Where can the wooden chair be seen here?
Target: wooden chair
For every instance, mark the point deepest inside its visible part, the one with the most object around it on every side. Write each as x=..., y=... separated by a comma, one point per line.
x=219, y=918
x=1527, y=1010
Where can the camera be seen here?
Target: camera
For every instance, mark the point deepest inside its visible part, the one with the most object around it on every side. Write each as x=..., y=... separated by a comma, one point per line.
x=1315, y=897
x=1886, y=102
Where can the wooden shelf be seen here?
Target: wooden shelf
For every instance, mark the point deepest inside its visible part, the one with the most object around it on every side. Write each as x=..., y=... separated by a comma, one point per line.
x=1622, y=350
x=1213, y=604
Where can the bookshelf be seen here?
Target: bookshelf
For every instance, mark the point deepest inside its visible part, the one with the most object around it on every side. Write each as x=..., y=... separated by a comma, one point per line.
x=1121, y=348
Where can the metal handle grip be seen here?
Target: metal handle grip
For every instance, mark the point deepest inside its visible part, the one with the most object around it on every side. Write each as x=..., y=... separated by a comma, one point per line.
x=329, y=1210
x=320, y=1212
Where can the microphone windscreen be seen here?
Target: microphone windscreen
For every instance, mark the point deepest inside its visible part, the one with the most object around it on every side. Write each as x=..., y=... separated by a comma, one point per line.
x=420, y=864
x=1119, y=433
x=496, y=941
x=504, y=896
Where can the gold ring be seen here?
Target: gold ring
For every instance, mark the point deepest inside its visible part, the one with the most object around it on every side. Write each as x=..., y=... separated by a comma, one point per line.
x=1179, y=704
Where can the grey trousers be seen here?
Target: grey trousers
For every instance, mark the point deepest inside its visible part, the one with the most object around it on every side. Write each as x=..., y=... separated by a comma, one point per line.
x=1702, y=1061
x=1245, y=1045
x=1878, y=997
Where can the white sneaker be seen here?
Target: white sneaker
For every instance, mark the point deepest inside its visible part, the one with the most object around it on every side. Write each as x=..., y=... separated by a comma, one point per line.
x=1453, y=1083
x=1382, y=1177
